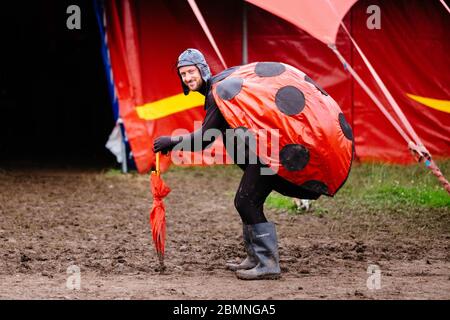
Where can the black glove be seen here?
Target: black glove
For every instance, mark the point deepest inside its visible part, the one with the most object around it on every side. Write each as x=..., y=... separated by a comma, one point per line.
x=164, y=144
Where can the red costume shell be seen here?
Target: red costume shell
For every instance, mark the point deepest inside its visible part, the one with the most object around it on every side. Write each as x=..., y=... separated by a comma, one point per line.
x=315, y=141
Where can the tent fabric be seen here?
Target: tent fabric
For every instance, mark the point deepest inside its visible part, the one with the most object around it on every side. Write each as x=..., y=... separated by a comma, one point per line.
x=409, y=52
x=320, y=18
x=123, y=50
x=202, y=22
x=100, y=15
x=163, y=29
x=314, y=143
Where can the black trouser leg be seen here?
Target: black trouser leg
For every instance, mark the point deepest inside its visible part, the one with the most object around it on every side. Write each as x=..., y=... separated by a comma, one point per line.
x=251, y=194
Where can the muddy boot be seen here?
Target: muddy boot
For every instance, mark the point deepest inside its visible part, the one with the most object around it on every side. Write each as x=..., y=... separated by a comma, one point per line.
x=250, y=261
x=265, y=244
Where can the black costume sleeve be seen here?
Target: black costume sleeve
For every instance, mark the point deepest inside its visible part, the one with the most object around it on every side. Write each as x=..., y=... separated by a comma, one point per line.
x=213, y=120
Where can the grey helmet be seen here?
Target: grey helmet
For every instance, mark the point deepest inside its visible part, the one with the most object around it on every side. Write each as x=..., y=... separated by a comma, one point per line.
x=193, y=57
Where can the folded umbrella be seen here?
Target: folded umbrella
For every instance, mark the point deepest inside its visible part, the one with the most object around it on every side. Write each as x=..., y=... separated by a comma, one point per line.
x=158, y=212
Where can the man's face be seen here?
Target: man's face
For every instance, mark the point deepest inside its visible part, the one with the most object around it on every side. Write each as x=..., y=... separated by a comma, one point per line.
x=191, y=77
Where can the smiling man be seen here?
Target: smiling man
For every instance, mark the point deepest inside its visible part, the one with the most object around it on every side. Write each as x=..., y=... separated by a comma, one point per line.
x=315, y=151
x=193, y=71
x=190, y=75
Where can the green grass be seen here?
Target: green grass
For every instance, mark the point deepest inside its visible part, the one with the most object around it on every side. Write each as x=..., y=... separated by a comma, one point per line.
x=375, y=185
x=426, y=197
x=113, y=173
x=278, y=201
x=396, y=185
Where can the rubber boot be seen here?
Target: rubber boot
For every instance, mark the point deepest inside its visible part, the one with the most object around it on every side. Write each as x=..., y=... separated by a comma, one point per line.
x=263, y=239
x=250, y=261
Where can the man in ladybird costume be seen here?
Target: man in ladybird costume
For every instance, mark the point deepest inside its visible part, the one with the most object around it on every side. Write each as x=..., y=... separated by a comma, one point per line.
x=315, y=143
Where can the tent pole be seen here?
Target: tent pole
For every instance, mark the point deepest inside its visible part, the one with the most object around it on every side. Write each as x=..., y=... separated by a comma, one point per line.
x=206, y=30
x=244, y=33
x=445, y=6
x=124, y=158
x=418, y=150
x=123, y=149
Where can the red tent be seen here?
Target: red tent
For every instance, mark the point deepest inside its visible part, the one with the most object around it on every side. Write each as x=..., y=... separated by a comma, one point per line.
x=409, y=52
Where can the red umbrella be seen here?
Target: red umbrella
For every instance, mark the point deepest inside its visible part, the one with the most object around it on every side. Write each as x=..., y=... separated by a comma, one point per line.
x=158, y=212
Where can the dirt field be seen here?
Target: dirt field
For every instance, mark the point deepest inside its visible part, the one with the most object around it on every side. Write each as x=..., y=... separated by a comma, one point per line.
x=51, y=219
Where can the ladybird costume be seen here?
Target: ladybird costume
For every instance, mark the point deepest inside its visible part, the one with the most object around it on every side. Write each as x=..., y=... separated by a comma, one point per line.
x=313, y=155
x=315, y=140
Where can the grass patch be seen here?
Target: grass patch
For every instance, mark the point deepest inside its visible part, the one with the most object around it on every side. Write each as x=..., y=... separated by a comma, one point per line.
x=391, y=195
x=402, y=188
x=396, y=186
x=113, y=172
x=278, y=201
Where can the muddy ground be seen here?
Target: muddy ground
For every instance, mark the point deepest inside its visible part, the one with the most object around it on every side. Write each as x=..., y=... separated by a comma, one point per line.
x=97, y=220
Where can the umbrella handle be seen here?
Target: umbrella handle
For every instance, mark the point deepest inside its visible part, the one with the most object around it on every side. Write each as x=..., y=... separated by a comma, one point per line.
x=157, y=163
